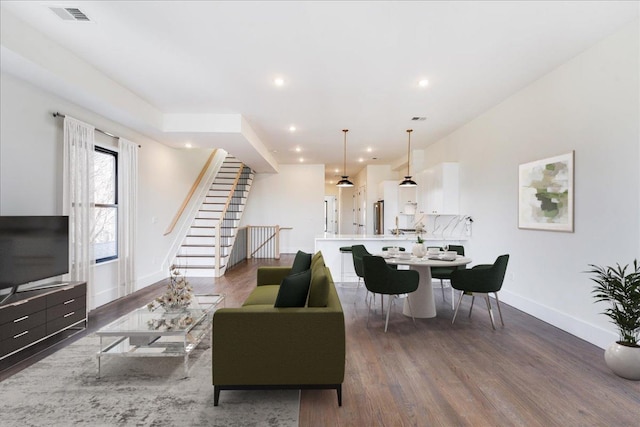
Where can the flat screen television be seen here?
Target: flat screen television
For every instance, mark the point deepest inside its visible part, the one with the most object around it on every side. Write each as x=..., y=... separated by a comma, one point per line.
x=32, y=248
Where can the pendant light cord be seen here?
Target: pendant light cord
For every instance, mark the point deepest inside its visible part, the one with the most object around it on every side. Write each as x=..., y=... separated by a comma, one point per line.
x=344, y=169
x=409, y=153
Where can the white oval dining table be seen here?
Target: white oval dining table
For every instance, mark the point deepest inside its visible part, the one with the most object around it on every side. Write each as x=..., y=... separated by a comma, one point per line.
x=423, y=304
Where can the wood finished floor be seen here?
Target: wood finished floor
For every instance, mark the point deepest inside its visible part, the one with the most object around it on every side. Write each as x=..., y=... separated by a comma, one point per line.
x=435, y=374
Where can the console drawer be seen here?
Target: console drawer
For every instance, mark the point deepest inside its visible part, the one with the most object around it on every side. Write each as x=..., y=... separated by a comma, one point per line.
x=68, y=319
x=67, y=293
x=23, y=339
x=16, y=310
x=65, y=308
x=21, y=324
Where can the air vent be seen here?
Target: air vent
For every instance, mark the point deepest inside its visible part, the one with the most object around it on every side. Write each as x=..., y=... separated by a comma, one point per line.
x=418, y=119
x=70, y=14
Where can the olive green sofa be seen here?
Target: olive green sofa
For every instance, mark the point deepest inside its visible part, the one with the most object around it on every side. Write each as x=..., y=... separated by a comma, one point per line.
x=259, y=346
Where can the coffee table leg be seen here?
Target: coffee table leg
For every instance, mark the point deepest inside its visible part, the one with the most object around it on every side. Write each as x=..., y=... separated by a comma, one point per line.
x=98, y=355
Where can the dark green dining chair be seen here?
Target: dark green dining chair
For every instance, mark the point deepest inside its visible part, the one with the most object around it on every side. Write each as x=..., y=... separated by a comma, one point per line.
x=482, y=279
x=381, y=279
x=444, y=273
x=357, y=253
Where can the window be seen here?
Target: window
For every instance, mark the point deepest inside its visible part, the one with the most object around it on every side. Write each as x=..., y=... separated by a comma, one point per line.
x=105, y=231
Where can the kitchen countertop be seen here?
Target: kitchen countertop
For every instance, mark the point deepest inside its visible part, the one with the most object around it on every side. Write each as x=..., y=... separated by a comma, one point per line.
x=403, y=237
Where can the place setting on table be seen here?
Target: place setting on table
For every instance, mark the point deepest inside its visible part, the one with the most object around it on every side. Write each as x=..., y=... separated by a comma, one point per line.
x=419, y=253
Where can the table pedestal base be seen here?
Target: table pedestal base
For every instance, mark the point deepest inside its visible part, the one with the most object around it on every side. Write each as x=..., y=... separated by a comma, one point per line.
x=423, y=305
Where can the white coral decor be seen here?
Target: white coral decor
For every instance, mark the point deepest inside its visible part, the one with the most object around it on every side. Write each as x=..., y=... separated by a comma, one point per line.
x=178, y=295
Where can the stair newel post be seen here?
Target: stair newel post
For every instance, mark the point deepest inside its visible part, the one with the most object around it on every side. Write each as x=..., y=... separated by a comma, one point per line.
x=217, y=248
x=277, y=242
x=249, y=233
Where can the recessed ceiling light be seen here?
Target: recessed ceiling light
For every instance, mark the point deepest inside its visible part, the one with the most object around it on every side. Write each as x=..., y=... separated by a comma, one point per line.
x=298, y=149
x=188, y=145
x=301, y=159
x=336, y=170
x=278, y=81
x=369, y=149
x=361, y=160
x=292, y=128
x=423, y=83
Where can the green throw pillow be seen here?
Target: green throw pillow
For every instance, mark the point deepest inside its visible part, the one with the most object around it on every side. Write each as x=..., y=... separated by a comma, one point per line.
x=319, y=287
x=293, y=290
x=317, y=260
x=301, y=263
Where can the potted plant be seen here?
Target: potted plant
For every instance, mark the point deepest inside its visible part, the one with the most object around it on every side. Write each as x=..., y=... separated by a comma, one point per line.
x=622, y=290
x=418, y=249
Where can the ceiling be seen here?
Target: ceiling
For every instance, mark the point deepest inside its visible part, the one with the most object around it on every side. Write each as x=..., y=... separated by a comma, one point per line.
x=346, y=65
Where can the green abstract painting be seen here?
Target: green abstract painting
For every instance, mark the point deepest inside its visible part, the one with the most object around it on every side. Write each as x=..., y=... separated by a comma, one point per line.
x=546, y=194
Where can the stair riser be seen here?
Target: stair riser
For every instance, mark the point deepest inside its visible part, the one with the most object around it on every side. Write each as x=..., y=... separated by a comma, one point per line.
x=206, y=241
x=198, y=250
x=220, y=187
x=211, y=223
x=214, y=216
x=210, y=272
x=221, y=196
x=217, y=207
x=197, y=261
x=226, y=174
x=209, y=215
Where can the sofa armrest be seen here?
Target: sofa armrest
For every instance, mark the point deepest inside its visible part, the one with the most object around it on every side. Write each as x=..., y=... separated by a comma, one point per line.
x=272, y=275
x=261, y=345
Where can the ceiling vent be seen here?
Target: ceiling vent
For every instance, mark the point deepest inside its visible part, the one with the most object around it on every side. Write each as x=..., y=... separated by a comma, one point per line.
x=70, y=14
x=418, y=119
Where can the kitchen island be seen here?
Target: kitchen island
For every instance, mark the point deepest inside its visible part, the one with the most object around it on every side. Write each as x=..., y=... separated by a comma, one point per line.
x=330, y=245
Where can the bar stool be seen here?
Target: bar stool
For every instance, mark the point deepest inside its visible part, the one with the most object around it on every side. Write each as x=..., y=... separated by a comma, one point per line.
x=345, y=250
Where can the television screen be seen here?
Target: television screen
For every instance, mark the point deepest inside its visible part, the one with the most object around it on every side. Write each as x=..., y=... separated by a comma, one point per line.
x=32, y=248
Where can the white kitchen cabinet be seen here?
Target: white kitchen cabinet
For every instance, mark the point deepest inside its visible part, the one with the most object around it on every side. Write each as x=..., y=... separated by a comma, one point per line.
x=440, y=192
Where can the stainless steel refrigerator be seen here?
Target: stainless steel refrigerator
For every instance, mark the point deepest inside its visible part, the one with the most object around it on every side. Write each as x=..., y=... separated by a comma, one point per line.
x=378, y=217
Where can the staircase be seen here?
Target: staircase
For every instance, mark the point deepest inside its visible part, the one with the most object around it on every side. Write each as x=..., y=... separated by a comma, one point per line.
x=218, y=216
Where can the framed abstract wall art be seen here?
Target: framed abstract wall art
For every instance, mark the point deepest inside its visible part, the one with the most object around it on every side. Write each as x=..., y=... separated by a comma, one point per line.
x=545, y=200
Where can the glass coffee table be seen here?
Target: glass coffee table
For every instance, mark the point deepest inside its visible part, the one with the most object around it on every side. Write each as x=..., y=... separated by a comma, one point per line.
x=159, y=333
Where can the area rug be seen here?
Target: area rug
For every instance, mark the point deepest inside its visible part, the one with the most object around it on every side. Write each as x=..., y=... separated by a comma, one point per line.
x=63, y=390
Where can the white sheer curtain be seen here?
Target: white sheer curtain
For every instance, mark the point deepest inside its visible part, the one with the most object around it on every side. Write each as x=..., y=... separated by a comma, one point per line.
x=78, y=200
x=127, y=213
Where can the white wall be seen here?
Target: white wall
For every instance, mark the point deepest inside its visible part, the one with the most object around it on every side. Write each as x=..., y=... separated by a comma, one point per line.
x=590, y=105
x=292, y=198
x=31, y=174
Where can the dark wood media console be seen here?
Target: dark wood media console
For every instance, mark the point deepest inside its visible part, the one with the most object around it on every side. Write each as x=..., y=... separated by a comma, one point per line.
x=31, y=316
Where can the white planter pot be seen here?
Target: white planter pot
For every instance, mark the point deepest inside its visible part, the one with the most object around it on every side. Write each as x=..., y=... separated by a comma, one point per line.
x=419, y=250
x=624, y=361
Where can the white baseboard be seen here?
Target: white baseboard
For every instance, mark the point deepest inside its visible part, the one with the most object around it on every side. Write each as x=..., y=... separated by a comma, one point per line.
x=150, y=279
x=581, y=329
x=105, y=296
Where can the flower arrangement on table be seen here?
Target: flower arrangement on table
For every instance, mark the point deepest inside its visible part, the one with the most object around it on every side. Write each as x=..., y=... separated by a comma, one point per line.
x=178, y=295
x=167, y=324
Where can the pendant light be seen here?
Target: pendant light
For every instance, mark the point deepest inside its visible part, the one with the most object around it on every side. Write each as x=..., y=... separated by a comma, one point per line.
x=344, y=182
x=408, y=182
